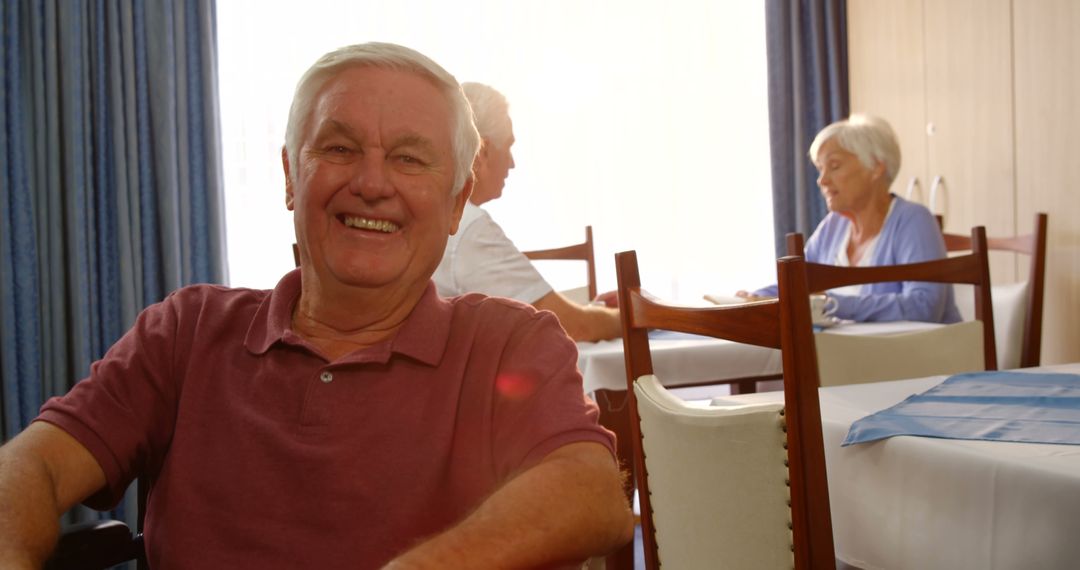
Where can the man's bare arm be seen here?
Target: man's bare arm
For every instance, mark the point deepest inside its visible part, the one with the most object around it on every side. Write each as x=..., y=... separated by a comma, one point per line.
x=582, y=322
x=567, y=508
x=43, y=473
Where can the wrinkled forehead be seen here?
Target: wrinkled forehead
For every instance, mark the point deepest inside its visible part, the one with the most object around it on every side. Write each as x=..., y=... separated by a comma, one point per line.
x=371, y=96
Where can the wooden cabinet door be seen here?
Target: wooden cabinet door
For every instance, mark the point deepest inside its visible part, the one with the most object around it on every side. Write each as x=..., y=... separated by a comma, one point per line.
x=885, y=77
x=969, y=110
x=1047, y=60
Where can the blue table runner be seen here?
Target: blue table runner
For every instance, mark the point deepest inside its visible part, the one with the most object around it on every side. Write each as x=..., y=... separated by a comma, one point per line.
x=1031, y=407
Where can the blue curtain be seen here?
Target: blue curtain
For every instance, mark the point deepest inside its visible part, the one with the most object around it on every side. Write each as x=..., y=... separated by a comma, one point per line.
x=110, y=179
x=808, y=89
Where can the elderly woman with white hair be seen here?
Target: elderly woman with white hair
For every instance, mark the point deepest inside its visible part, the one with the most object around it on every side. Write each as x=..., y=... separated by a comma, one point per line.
x=857, y=160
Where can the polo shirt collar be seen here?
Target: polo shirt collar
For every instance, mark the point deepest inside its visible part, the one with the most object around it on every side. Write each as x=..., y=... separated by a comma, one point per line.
x=426, y=332
x=423, y=337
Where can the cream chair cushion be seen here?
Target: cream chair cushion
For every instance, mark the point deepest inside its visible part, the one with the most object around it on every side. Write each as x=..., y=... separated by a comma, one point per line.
x=1010, y=308
x=853, y=359
x=718, y=481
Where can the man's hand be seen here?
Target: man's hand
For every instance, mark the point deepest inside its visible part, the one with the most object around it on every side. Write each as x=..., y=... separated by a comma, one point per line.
x=609, y=299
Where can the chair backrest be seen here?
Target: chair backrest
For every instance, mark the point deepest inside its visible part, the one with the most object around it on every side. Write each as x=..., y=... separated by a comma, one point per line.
x=853, y=359
x=711, y=475
x=782, y=323
x=1018, y=307
x=846, y=359
x=582, y=251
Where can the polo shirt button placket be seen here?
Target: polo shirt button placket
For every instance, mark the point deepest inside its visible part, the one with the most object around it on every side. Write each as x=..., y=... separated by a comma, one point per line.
x=318, y=398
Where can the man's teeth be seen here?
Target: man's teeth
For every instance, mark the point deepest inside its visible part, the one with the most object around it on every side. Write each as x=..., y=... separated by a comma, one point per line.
x=366, y=224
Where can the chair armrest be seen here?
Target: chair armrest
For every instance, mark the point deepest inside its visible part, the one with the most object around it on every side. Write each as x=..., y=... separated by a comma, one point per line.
x=95, y=544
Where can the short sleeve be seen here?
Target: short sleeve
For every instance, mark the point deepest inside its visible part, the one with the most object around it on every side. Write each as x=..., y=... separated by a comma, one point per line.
x=123, y=412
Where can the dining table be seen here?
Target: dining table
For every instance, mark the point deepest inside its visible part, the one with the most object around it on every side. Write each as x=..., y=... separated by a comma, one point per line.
x=688, y=360
x=685, y=360
x=932, y=502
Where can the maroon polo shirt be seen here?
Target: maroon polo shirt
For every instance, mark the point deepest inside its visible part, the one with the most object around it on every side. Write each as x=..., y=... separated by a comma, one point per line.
x=266, y=455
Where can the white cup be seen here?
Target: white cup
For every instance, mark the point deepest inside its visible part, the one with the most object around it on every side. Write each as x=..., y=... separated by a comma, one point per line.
x=822, y=308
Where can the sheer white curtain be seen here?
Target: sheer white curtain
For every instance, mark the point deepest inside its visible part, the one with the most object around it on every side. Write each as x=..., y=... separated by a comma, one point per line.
x=647, y=120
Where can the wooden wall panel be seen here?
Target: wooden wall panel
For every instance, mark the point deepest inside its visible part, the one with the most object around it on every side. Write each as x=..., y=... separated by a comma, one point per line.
x=1047, y=87
x=885, y=71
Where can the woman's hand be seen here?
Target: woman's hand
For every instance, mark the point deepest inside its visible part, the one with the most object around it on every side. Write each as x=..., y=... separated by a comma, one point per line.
x=748, y=297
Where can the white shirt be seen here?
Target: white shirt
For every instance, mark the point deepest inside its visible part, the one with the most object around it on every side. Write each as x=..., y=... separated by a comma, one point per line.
x=479, y=258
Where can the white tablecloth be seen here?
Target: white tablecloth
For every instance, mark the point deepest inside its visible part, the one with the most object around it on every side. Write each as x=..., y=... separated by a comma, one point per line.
x=917, y=502
x=681, y=361
x=677, y=362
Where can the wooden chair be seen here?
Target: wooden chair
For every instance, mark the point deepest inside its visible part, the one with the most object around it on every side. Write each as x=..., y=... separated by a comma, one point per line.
x=960, y=347
x=706, y=500
x=1016, y=303
x=582, y=251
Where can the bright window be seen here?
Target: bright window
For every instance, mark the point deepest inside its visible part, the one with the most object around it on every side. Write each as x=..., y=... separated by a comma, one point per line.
x=646, y=119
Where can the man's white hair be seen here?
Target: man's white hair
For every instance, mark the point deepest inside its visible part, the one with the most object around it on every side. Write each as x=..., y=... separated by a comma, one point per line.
x=491, y=112
x=465, y=139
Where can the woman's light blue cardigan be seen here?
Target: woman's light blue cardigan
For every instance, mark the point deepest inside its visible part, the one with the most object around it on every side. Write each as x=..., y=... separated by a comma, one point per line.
x=911, y=234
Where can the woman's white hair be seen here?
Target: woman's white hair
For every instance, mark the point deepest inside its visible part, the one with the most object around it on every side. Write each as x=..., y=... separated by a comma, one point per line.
x=869, y=138
x=465, y=141
x=491, y=112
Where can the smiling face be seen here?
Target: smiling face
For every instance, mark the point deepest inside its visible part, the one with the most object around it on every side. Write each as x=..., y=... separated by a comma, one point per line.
x=372, y=195
x=846, y=184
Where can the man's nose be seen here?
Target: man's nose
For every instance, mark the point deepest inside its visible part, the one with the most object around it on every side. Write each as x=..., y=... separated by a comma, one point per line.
x=370, y=180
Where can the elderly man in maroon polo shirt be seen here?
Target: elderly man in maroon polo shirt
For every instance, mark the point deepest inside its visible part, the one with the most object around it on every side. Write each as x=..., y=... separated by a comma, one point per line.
x=350, y=417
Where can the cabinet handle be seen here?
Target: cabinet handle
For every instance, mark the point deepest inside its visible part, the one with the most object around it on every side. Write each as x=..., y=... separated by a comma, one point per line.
x=939, y=183
x=912, y=186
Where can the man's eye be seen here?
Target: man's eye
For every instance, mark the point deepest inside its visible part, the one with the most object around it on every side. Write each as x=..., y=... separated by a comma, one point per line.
x=338, y=149
x=408, y=159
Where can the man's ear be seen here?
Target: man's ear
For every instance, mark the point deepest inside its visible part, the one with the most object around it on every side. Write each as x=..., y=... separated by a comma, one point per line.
x=288, y=178
x=459, y=204
x=482, y=154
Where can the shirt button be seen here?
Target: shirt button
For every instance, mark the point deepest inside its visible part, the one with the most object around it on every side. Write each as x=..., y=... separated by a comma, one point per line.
x=326, y=377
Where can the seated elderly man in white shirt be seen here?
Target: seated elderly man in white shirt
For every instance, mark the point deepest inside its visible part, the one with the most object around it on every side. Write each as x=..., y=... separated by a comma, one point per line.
x=480, y=258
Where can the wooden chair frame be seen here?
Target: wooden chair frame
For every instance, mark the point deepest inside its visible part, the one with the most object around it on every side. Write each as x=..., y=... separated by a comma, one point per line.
x=782, y=323
x=1034, y=245
x=582, y=251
